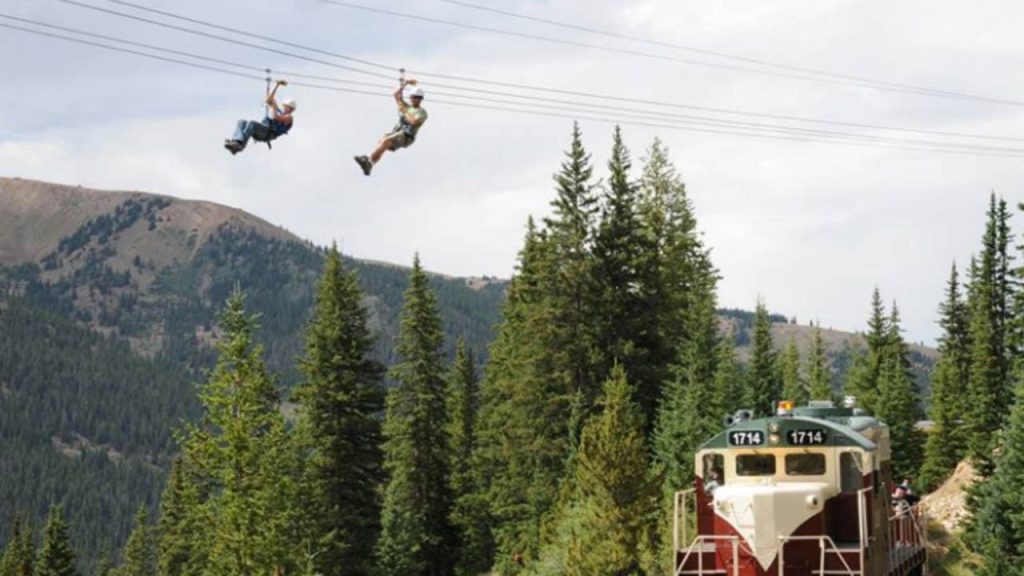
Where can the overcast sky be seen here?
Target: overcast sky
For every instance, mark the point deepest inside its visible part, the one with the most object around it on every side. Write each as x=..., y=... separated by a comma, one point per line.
x=811, y=227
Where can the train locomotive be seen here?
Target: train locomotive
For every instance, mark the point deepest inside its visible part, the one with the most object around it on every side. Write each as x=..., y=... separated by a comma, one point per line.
x=805, y=492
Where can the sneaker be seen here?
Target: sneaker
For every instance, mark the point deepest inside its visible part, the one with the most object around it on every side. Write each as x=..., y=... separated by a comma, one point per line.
x=365, y=164
x=233, y=146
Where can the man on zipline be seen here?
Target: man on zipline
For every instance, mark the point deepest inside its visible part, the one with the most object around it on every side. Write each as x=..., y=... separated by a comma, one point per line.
x=277, y=123
x=411, y=117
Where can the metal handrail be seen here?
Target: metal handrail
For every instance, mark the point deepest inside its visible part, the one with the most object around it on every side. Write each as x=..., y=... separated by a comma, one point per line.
x=822, y=541
x=702, y=539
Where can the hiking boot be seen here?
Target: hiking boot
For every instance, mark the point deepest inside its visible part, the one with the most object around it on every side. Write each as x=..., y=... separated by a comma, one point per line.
x=234, y=146
x=365, y=164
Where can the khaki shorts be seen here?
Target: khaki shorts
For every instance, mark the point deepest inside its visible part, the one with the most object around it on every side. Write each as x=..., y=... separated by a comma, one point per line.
x=398, y=140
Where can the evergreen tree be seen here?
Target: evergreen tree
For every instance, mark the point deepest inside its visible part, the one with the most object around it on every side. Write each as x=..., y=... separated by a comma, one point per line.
x=818, y=373
x=341, y=400
x=139, y=556
x=245, y=454
x=181, y=543
x=764, y=386
x=56, y=558
x=20, y=551
x=619, y=249
x=944, y=447
x=104, y=566
x=469, y=513
x=793, y=386
x=566, y=279
x=417, y=537
x=996, y=530
x=988, y=302
x=730, y=382
x=525, y=415
x=862, y=380
x=897, y=400
x=616, y=493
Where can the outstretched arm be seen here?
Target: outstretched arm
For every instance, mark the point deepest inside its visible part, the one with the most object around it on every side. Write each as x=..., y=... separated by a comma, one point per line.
x=398, y=97
x=272, y=97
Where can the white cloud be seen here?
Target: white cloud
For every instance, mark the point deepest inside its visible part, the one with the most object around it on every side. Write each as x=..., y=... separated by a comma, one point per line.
x=813, y=227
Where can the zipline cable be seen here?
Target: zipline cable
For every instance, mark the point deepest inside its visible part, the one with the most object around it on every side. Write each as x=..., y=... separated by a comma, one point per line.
x=465, y=79
x=696, y=50
x=562, y=105
x=608, y=49
x=259, y=78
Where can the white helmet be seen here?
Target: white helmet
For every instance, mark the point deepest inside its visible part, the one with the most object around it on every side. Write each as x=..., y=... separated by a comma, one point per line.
x=416, y=93
x=289, y=103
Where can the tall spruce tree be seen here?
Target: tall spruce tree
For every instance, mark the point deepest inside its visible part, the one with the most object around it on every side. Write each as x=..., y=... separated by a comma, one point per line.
x=469, y=511
x=417, y=536
x=764, y=385
x=616, y=493
x=342, y=400
x=945, y=445
x=182, y=526
x=996, y=529
x=56, y=557
x=244, y=452
x=20, y=551
x=862, y=380
x=139, y=555
x=524, y=426
x=989, y=297
x=897, y=400
x=818, y=373
x=793, y=386
x=618, y=281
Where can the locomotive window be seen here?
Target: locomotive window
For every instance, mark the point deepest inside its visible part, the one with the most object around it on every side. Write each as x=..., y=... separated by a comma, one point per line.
x=805, y=464
x=755, y=465
x=714, y=472
x=851, y=472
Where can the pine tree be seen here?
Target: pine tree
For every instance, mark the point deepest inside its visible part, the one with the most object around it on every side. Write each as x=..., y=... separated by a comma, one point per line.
x=20, y=551
x=524, y=425
x=862, y=380
x=341, y=401
x=818, y=373
x=244, y=451
x=56, y=558
x=182, y=536
x=897, y=400
x=996, y=530
x=469, y=512
x=619, y=248
x=417, y=537
x=793, y=386
x=764, y=386
x=139, y=556
x=616, y=493
x=988, y=301
x=945, y=447
x=730, y=382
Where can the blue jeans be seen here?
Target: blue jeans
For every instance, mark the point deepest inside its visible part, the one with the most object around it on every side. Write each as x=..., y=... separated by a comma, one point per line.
x=247, y=129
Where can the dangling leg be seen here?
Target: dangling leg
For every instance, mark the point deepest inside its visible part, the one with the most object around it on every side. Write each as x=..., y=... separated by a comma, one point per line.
x=243, y=131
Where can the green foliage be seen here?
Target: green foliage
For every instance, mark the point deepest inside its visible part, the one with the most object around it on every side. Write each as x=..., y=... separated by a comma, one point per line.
x=897, y=400
x=19, y=554
x=764, y=384
x=56, y=558
x=819, y=375
x=987, y=304
x=616, y=494
x=470, y=514
x=182, y=526
x=341, y=403
x=945, y=445
x=244, y=458
x=793, y=386
x=139, y=556
x=863, y=378
x=417, y=537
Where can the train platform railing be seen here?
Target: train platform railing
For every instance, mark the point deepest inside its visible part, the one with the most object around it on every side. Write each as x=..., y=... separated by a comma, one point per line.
x=700, y=546
x=827, y=547
x=908, y=534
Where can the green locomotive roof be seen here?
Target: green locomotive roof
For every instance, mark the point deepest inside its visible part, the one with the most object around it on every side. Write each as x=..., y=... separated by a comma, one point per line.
x=840, y=427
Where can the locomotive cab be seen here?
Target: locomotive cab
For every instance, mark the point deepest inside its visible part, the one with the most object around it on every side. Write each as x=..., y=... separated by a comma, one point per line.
x=801, y=492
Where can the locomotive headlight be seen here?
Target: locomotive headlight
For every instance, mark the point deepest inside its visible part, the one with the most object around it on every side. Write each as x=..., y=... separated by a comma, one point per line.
x=774, y=439
x=812, y=501
x=774, y=427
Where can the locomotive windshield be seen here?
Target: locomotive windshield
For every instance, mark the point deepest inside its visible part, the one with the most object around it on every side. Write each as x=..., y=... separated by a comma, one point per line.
x=755, y=465
x=805, y=464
